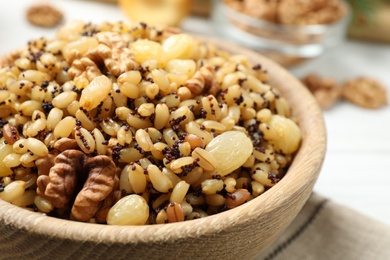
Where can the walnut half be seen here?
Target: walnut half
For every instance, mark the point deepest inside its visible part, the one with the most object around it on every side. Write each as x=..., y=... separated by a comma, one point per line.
x=365, y=92
x=99, y=184
x=59, y=185
x=44, y=15
x=325, y=90
x=72, y=168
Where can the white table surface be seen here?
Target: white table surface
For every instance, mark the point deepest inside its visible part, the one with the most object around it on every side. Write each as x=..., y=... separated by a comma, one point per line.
x=356, y=171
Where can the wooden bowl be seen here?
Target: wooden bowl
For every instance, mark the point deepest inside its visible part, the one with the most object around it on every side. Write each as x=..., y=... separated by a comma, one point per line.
x=242, y=232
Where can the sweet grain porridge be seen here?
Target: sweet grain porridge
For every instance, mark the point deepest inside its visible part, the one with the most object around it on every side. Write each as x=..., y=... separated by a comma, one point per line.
x=134, y=124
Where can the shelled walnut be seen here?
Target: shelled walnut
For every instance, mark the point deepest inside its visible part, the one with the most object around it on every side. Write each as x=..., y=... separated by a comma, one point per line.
x=362, y=91
x=72, y=167
x=325, y=90
x=365, y=92
x=291, y=12
x=44, y=15
x=309, y=12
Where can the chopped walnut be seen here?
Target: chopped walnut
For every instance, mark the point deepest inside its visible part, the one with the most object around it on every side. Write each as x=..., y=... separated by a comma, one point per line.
x=325, y=90
x=309, y=12
x=44, y=15
x=84, y=65
x=293, y=12
x=72, y=56
x=100, y=55
x=113, y=40
x=112, y=53
x=203, y=80
x=365, y=92
x=119, y=58
x=266, y=9
x=65, y=144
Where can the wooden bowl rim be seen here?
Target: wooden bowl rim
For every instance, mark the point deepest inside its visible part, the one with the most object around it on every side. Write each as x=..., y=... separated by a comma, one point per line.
x=313, y=143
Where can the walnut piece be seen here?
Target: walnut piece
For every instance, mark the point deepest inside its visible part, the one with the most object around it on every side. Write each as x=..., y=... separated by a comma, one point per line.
x=325, y=90
x=292, y=12
x=65, y=144
x=59, y=185
x=309, y=12
x=365, y=92
x=84, y=66
x=44, y=15
x=98, y=186
x=202, y=81
x=119, y=58
x=112, y=54
x=71, y=169
x=264, y=9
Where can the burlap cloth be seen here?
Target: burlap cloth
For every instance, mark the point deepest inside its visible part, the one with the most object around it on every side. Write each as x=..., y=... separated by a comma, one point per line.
x=327, y=230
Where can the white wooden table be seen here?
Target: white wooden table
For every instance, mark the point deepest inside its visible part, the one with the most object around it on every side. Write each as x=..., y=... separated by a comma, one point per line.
x=356, y=170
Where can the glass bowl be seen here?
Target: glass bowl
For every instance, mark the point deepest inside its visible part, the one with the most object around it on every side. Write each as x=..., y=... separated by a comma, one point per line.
x=287, y=44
